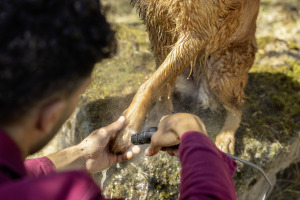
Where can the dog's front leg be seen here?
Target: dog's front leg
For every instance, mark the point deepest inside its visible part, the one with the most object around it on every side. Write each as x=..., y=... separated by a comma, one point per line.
x=186, y=49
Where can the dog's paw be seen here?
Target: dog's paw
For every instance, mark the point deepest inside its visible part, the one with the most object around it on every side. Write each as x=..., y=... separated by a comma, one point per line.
x=225, y=142
x=122, y=139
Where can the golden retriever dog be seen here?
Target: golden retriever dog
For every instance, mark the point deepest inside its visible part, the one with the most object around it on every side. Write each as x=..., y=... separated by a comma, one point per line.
x=216, y=39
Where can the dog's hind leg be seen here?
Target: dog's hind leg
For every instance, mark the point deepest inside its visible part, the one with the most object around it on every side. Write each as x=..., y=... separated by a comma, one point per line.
x=227, y=80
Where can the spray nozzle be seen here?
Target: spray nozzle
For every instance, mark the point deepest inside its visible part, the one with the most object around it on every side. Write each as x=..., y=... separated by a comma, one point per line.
x=144, y=137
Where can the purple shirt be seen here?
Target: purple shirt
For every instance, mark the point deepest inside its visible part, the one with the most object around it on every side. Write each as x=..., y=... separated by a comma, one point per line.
x=206, y=171
x=37, y=179
x=206, y=174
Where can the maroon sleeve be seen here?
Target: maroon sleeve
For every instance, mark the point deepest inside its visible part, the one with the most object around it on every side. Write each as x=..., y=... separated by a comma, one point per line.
x=71, y=185
x=206, y=171
x=39, y=166
x=74, y=185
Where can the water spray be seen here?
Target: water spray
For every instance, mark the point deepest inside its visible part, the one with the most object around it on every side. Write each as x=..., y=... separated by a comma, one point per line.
x=144, y=137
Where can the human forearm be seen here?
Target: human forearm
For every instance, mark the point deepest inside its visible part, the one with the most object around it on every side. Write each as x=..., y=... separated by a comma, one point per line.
x=93, y=153
x=71, y=158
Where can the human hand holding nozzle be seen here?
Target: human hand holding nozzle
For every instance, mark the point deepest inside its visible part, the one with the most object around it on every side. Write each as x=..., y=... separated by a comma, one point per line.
x=167, y=135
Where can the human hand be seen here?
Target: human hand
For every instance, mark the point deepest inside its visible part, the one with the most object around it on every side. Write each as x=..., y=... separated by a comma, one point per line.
x=170, y=130
x=93, y=153
x=96, y=149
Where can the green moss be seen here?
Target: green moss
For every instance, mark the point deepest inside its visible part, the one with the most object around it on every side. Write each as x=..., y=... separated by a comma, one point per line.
x=270, y=113
x=127, y=70
x=158, y=176
x=131, y=33
x=278, y=103
x=293, y=46
x=263, y=41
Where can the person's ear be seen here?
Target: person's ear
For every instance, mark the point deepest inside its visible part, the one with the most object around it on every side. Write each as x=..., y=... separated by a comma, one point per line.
x=49, y=115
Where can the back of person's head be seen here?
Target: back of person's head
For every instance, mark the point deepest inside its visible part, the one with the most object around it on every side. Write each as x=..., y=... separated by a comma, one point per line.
x=47, y=47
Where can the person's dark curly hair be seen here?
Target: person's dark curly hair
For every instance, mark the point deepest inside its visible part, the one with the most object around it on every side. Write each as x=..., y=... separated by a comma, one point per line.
x=48, y=47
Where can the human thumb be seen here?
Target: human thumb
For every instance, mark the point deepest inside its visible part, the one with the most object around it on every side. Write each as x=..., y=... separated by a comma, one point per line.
x=116, y=126
x=151, y=150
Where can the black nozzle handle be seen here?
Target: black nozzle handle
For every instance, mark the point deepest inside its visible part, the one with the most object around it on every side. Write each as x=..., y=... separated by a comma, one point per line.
x=144, y=137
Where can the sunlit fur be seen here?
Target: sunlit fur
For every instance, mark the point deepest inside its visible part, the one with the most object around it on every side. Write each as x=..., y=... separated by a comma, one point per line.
x=216, y=38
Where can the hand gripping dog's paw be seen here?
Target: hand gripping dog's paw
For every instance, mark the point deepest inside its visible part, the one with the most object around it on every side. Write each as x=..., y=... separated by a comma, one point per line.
x=135, y=118
x=121, y=141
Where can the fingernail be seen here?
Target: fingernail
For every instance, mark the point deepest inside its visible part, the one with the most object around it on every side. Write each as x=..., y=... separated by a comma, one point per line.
x=136, y=149
x=121, y=119
x=147, y=152
x=129, y=155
